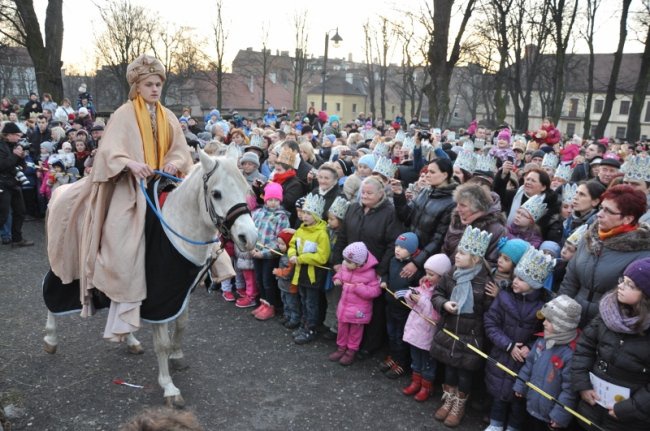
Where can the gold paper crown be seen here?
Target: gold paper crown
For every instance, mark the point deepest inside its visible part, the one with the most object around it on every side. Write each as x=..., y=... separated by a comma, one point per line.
x=475, y=241
x=385, y=167
x=466, y=160
x=315, y=204
x=256, y=141
x=534, y=267
x=564, y=172
x=636, y=168
x=339, y=207
x=535, y=206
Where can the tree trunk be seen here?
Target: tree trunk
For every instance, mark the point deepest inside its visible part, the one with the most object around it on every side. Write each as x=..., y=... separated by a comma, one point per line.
x=611, y=87
x=640, y=89
x=46, y=57
x=586, y=130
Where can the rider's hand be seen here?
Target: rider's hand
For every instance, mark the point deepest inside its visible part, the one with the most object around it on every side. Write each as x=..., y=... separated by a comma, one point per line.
x=139, y=170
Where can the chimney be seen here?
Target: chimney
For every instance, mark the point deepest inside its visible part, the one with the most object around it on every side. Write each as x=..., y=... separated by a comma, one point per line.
x=249, y=49
x=284, y=53
x=531, y=50
x=349, y=77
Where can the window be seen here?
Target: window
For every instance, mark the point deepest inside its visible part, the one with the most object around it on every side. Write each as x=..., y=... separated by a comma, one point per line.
x=570, y=129
x=354, y=108
x=392, y=109
x=455, y=114
x=573, y=109
x=592, y=132
x=324, y=106
x=312, y=104
x=647, y=113
x=598, y=106
x=620, y=133
x=625, y=107
x=338, y=107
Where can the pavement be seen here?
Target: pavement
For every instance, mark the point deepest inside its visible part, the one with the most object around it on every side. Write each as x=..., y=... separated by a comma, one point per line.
x=243, y=375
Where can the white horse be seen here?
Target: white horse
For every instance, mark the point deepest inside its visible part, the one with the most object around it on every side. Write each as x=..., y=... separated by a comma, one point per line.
x=212, y=198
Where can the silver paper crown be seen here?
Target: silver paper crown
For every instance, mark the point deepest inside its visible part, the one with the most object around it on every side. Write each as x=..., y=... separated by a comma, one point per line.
x=577, y=235
x=486, y=163
x=519, y=138
x=369, y=134
x=256, y=141
x=339, y=207
x=568, y=192
x=475, y=241
x=314, y=203
x=400, y=135
x=550, y=160
x=535, y=206
x=466, y=160
x=479, y=143
x=534, y=267
x=636, y=168
x=427, y=148
x=564, y=172
x=408, y=144
x=381, y=149
x=385, y=167
x=468, y=146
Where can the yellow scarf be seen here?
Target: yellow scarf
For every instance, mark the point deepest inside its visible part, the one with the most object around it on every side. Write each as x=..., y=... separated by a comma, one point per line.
x=154, y=152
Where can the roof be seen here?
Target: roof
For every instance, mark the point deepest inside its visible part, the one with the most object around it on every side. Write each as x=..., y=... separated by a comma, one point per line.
x=338, y=85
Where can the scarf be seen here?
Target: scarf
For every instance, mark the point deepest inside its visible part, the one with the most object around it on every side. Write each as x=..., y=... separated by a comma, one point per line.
x=559, y=339
x=516, y=203
x=610, y=311
x=624, y=228
x=462, y=293
x=281, y=178
x=155, y=136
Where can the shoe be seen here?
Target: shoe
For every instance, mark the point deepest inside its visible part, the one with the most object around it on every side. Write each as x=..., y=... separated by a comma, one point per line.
x=494, y=428
x=228, y=296
x=23, y=243
x=241, y=293
x=337, y=355
x=386, y=364
x=282, y=320
x=348, y=357
x=457, y=411
x=267, y=313
x=395, y=372
x=448, y=401
x=244, y=302
x=291, y=325
x=306, y=337
x=425, y=391
x=298, y=331
x=414, y=387
x=363, y=354
x=262, y=306
x=329, y=335
x=6, y=241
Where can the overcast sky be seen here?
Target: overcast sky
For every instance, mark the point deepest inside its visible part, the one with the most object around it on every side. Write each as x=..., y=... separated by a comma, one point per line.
x=244, y=20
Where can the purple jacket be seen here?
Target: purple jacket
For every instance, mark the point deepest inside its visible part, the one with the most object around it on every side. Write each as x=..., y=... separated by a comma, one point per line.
x=418, y=332
x=512, y=318
x=360, y=287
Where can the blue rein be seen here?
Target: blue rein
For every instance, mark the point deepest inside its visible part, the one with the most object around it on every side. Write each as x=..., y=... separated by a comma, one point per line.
x=159, y=215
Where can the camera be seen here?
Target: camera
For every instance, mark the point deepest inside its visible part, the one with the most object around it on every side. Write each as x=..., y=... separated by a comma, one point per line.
x=25, y=144
x=424, y=135
x=21, y=178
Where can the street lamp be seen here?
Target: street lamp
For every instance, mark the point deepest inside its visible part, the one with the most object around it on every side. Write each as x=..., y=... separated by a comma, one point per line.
x=337, y=40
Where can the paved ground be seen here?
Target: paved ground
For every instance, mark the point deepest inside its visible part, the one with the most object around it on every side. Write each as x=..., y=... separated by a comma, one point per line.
x=244, y=374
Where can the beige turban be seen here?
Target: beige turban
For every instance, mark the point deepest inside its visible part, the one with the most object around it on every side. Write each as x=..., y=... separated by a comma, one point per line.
x=141, y=68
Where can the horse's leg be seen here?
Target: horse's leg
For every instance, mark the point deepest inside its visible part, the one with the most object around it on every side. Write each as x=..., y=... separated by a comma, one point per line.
x=51, y=339
x=133, y=345
x=162, y=347
x=176, y=359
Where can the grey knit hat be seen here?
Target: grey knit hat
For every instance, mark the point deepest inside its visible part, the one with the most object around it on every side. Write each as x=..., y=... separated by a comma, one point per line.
x=250, y=157
x=563, y=312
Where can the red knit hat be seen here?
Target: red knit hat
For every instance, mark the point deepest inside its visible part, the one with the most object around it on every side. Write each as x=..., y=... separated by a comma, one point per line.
x=286, y=237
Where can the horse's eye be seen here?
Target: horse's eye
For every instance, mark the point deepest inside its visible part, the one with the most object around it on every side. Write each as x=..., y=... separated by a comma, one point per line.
x=216, y=195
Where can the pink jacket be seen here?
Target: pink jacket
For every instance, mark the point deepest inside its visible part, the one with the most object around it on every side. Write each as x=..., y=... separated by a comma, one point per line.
x=570, y=152
x=360, y=287
x=417, y=331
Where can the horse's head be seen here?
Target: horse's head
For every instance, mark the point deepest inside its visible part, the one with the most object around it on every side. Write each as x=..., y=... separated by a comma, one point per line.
x=225, y=198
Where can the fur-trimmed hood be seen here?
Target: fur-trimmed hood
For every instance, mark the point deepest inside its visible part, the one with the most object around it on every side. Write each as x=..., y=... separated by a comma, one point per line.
x=633, y=241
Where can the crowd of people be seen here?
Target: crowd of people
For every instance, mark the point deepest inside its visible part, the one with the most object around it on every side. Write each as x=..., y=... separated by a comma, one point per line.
x=431, y=243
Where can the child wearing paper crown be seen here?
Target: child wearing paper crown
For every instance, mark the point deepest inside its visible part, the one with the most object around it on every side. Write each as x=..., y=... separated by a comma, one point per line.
x=335, y=217
x=269, y=220
x=510, y=324
x=360, y=285
x=288, y=291
x=406, y=248
x=548, y=366
x=614, y=349
x=309, y=251
x=510, y=252
x=524, y=225
x=418, y=332
x=461, y=300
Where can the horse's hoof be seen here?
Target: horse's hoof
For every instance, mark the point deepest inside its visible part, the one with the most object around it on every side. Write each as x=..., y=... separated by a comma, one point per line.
x=175, y=402
x=135, y=349
x=179, y=364
x=50, y=348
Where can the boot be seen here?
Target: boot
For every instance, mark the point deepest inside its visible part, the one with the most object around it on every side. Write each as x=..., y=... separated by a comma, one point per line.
x=448, y=399
x=336, y=356
x=262, y=306
x=348, y=357
x=425, y=391
x=457, y=411
x=267, y=313
x=414, y=387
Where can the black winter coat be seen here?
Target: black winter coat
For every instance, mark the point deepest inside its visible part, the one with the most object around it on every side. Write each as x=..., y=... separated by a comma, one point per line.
x=428, y=216
x=622, y=359
x=394, y=307
x=8, y=163
x=378, y=229
x=468, y=327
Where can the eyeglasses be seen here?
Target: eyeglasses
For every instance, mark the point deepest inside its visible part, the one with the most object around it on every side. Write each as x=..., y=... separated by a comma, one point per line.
x=626, y=284
x=609, y=211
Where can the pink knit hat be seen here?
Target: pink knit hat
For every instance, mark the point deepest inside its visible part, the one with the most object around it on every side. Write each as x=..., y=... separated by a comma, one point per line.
x=356, y=252
x=273, y=190
x=438, y=263
x=505, y=135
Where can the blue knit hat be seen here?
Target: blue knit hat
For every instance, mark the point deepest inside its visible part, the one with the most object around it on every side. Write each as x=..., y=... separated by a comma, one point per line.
x=408, y=241
x=514, y=249
x=368, y=160
x=551, y=246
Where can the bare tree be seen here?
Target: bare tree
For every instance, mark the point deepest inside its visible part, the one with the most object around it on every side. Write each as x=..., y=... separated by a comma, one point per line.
x=370, y=65
x=220, y=37
x=266, y=62
x=382, y=45
x=563, y=16
x=611, y=86
x=300, y=58
x=127, y=36
x=441, y=61
x=643, y=81
x=20, y=25
x=592, y=8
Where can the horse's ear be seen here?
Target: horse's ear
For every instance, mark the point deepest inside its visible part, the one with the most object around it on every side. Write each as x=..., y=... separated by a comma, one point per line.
x=207, y=162
x=232, y=152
